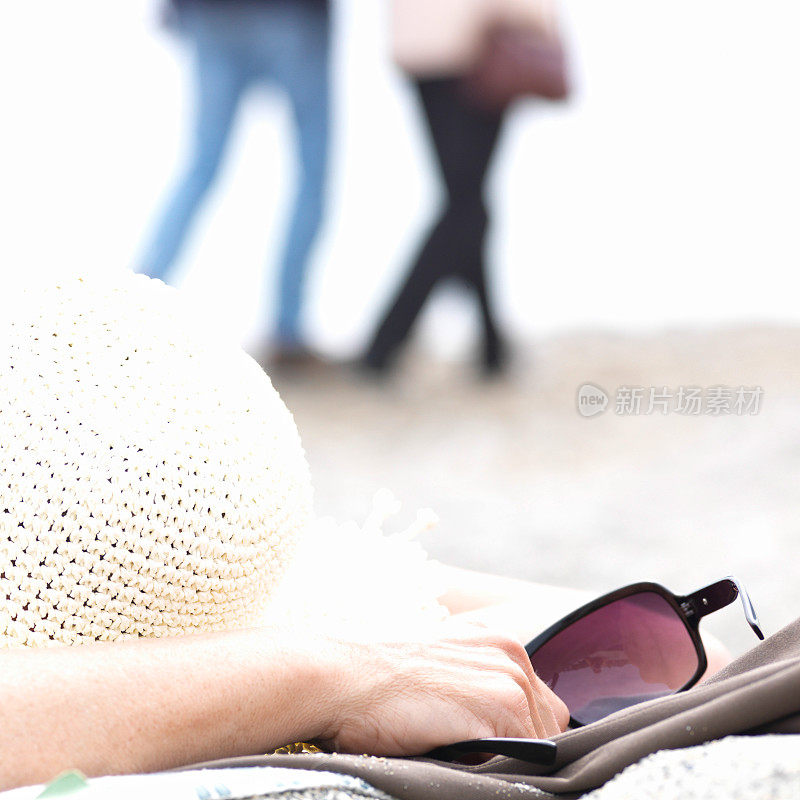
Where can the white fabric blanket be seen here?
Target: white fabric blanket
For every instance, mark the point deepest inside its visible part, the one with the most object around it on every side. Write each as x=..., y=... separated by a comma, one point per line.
x=734, y=768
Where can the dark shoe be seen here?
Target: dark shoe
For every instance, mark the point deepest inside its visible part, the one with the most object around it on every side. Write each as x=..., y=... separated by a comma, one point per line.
x=292, y=360
x=494, y=360
x=375, y=365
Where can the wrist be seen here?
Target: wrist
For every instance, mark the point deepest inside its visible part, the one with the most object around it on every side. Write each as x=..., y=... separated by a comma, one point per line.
x=306, y=698
x=331, y=681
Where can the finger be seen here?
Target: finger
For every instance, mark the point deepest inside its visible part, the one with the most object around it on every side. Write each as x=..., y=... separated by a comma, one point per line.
x=542, y=723
x=538, y=718
x=557, y=708
x=552, y=712
x=512, y=706
x=541, y=711
x=543, y=702
x=547, y=714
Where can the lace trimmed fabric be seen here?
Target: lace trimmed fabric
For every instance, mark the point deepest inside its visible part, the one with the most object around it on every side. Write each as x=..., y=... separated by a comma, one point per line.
x=349, y=573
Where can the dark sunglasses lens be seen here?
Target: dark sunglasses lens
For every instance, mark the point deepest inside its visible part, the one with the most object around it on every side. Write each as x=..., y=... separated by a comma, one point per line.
x=628, y=651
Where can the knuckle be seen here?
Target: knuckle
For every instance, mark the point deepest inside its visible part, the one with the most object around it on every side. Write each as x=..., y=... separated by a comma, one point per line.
x=516, y=650
x=520, y=678
x=510, y=646
x=502, y=641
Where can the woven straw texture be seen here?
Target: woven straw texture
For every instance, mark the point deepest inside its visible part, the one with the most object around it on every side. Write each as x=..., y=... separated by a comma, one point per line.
x=153, y=483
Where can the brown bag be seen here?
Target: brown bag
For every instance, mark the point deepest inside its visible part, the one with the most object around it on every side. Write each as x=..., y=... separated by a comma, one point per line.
x=517, y=62
x=757, y=693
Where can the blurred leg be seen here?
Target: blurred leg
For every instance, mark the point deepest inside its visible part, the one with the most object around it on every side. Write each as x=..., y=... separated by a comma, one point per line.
x=465, y=160
x=431, y=265
x=220, y=81
x=464, y=139
x=304, y=74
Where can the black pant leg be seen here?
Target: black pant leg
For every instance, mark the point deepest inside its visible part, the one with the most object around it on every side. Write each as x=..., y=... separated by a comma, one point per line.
x=464, y=139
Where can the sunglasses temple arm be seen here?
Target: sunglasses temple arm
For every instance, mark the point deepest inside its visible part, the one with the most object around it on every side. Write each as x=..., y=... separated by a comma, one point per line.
x=749, y=610
x=716, y=596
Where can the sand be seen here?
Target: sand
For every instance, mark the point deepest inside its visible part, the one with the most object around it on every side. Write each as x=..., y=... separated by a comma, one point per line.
x=525, y=485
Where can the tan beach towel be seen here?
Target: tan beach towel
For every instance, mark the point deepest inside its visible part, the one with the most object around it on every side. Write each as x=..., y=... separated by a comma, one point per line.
x=756, y=694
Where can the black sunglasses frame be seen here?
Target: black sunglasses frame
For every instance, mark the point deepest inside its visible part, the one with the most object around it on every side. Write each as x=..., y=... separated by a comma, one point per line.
x=535, y=751
x=690, y=608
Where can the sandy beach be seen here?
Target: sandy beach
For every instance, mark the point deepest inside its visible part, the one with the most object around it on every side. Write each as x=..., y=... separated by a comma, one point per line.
x=525, y=485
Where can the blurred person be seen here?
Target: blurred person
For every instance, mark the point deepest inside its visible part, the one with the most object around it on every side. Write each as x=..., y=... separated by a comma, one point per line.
x=237, y=44
x=467, y=60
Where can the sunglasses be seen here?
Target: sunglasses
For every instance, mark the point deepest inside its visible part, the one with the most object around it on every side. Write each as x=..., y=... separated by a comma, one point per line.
x=633, y=644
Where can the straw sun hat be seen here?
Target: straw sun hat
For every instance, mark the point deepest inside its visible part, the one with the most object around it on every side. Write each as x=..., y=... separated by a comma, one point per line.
x=152, y=481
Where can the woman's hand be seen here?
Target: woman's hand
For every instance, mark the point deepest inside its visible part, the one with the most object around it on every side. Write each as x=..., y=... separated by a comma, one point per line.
x=457, y=680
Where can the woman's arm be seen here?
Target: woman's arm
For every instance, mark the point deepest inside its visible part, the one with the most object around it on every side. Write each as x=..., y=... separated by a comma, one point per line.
x=145, y=705
x=150, y=704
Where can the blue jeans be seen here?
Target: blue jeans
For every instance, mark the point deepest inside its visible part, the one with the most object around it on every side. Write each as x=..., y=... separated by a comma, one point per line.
x=284, y=42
